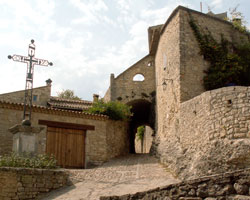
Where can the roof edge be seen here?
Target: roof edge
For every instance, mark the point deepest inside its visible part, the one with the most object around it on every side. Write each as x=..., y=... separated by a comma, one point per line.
x=148, y=55
x=190, y=10
x=43, y=109
x=24, y=90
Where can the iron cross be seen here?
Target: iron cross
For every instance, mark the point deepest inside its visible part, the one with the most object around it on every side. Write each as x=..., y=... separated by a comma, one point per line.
x=31, y=62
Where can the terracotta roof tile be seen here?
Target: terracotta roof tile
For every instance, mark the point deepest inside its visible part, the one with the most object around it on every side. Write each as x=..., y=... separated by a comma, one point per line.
x=43, y=109
x=68, y=104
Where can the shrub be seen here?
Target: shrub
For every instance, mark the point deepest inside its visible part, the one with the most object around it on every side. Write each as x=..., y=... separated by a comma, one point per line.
x=114, y=109
x=140, y=132
x=25, y=160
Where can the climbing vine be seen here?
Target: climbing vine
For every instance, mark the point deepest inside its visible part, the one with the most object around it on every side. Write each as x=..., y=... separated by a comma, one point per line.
x=229, y=63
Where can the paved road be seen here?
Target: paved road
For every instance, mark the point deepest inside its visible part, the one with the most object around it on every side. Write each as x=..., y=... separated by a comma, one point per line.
x=129, y=174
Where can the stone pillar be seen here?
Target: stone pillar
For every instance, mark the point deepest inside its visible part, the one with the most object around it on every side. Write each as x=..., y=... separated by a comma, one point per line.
x=95, y=98
x=25, y=139
x=112, y=87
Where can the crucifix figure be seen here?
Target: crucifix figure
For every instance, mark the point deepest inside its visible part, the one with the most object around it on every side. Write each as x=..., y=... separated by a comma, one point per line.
x=31, y=62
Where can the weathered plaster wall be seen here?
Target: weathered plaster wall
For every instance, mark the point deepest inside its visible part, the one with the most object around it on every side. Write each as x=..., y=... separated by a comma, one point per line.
x=42, y=93
x=124, y=89
x=19, y=183
x=97, y=141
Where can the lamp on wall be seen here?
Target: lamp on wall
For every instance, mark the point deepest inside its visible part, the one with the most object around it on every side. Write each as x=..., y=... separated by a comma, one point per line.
x=164, y=84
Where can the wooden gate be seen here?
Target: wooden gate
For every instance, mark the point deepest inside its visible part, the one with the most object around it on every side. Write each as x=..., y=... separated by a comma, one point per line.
x=66, y=142
x=67, y=145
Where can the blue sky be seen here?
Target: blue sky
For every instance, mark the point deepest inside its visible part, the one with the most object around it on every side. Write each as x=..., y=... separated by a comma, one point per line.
x=87, y=40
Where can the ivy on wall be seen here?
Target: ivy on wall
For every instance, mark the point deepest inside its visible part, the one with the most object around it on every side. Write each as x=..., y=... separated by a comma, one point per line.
x=229, y=62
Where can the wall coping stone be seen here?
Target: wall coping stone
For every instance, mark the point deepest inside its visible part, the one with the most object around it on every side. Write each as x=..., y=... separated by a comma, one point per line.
x=25, y=129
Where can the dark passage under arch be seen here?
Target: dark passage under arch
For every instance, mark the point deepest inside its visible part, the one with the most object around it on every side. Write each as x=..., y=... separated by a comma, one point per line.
x=143, y=114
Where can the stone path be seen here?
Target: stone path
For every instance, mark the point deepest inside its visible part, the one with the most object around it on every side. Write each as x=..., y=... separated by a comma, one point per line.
x=119, y=176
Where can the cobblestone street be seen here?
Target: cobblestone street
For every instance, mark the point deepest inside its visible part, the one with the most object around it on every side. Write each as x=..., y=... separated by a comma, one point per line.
x=129, y=174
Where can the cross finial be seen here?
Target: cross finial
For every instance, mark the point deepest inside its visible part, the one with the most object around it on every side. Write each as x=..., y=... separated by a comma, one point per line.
x=31, y=62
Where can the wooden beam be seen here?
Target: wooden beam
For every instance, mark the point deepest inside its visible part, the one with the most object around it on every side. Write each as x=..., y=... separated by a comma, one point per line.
x=66, y=125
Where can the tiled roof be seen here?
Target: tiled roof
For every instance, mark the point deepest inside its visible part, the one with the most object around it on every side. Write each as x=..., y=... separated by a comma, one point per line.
x=54, y=111
x=68, y=104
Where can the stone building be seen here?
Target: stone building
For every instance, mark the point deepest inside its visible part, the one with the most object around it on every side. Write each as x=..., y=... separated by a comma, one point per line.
x=77, y=139
x=196, y=132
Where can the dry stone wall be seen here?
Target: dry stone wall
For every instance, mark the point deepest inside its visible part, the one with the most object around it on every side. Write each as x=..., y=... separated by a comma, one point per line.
x=226, y=186
x=213, y=133
x=21, y=183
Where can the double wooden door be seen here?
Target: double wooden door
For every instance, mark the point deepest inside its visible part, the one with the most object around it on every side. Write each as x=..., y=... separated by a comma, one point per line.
x=67, y=145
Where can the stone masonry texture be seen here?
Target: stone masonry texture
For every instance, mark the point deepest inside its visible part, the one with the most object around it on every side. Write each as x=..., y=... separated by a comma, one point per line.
x=42, y=96
x=21, y=183
x=226, y=186
x=197, y=133
x=124, y=89
x=100, y=145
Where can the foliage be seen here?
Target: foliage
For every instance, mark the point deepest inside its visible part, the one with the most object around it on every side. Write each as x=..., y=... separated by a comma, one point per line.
x=68, y=94
x=229, y=63
x=237, y=19
x=27, y=161
x=140, y=132
x=114, y=109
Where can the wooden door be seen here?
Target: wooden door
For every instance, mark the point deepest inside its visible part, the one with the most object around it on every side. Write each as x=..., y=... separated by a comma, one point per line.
x=67, y=145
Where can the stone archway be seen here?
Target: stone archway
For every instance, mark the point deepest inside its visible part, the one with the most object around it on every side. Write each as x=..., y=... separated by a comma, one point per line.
x=143, y=114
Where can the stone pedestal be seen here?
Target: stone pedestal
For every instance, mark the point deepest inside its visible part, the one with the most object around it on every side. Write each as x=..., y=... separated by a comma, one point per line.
x=25, y=138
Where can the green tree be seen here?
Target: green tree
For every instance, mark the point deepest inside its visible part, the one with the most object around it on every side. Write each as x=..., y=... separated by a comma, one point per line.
x=68, y=94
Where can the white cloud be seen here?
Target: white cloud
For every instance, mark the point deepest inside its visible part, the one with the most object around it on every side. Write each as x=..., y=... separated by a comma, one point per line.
x=216, y=3
x=91, y=11
x=139, y=29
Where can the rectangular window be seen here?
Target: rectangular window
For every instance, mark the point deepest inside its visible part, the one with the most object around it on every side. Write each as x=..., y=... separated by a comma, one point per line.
x=34, y=97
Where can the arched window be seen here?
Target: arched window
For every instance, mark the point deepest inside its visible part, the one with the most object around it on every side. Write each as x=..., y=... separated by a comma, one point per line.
x=138, y=77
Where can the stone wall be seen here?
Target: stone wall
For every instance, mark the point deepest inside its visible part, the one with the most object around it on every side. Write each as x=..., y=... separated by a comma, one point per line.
x=213, y=134
x=19, y=183
x=124, y=89
x=97, y=141
x=117, y=138
x=230, y=186
x=42, y=96
x=195, y=133
x=192, y=64
x=167, y=62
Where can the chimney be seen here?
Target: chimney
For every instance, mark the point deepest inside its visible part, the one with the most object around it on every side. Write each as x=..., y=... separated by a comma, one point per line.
x=95, y=97
x=48, y=82
x=237, y=20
